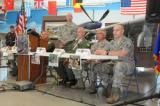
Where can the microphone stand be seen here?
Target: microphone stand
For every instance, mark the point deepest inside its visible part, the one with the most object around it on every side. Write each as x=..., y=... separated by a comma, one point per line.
x=157, y=95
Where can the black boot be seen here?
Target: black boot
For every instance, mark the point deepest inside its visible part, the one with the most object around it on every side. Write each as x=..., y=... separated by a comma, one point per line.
x=71, y=82
x=63, y=82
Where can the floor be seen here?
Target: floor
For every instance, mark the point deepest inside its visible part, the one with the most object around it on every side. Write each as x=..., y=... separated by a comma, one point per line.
x=50, y=94
x=34, y=98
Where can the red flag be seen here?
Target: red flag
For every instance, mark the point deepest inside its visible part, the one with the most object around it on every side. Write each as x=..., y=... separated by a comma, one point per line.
x=74, y=2
x=52, y=7
x=38, y=3
x=8, y=5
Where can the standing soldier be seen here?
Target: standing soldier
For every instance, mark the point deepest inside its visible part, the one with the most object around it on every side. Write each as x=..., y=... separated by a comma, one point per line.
x=122, y=47
x=67, y=31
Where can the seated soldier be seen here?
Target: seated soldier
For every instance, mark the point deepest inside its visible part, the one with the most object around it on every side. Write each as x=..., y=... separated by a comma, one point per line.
x=63, y=71
x=98, y=67
x=123, y=47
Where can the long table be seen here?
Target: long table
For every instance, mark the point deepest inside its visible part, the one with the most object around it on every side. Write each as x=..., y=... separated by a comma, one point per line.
x=33, y=72
x=87, y=57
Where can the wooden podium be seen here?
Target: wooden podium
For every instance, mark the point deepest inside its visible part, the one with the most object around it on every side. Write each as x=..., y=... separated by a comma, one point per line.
x=29, y=71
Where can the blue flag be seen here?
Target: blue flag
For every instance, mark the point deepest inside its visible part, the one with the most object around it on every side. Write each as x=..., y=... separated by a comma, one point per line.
x=157, y=47
x=156, y=53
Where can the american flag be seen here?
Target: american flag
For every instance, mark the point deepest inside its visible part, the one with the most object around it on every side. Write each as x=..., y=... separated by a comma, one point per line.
x=133, y=7
x=21, y=20
x=38, y=4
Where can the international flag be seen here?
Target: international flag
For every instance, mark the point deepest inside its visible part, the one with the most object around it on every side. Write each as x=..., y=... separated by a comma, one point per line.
x=52, y=7
x=8, y=5
x=67, y=2
x=28, y=8
x=21, y=20
x=77, y=8
x=74, y=2
x=79, y=1
x=133, y=7
x=38, y=4
x=156, y=54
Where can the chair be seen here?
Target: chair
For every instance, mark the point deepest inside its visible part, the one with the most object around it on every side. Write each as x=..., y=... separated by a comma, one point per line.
x=86, y=69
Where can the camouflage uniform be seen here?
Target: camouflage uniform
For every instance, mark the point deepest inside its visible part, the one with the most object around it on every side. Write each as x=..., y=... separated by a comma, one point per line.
x=67, y=32
x=82, y=44
x=73, y=45
x=127, y=64
x=99, y=68
x=63, y=70
x=118, y=68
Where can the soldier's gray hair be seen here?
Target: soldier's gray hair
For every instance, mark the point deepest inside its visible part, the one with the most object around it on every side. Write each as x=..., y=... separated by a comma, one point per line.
x=81, y=28
x=101, y=31
x=120, y=25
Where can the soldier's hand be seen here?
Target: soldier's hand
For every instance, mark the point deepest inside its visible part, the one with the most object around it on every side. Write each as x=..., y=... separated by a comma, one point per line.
x=100, y=52
x=44, y=35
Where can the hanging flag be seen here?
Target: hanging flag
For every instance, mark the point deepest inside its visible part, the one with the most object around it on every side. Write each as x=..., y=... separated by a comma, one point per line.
x=52, y=7
x=45, y=4
x=156, y=53
x=67, y=2
x=21, y=20
x=79, y=1
x=77, y=8
x=38, y=4
x=73, y=2
x=8, y=5
x=28, y=8
x=133, y=7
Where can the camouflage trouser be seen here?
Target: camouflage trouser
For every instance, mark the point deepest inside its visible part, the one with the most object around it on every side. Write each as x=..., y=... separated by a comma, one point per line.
x=103, y=70
x=108, y=71
x=78, y=73
x=121, y=69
